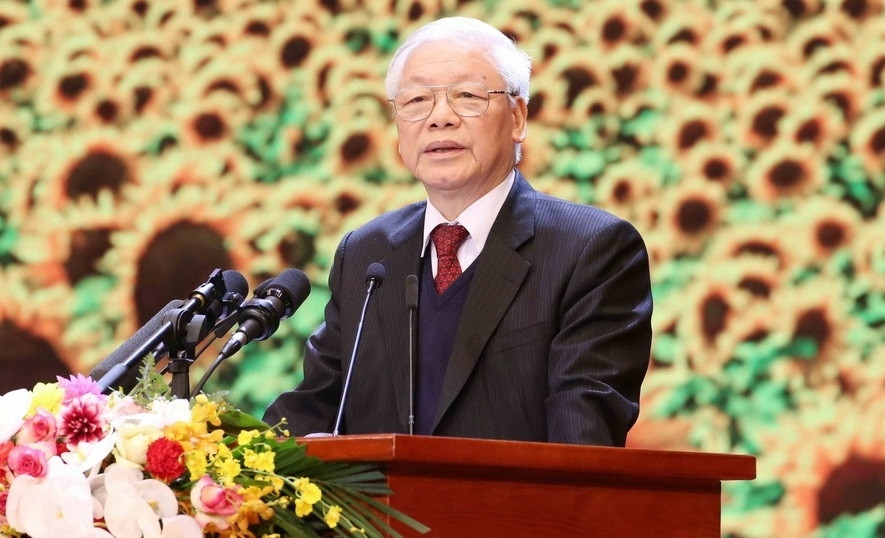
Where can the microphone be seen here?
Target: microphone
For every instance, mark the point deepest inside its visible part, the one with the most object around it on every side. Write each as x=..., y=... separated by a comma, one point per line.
x=274, y=299
x=412, y=305
x=375, y=274
x=223, y=291
x=113, y=370
x=260, y=316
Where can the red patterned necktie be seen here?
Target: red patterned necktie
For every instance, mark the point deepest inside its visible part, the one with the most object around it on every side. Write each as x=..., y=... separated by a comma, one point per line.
x=447, y=239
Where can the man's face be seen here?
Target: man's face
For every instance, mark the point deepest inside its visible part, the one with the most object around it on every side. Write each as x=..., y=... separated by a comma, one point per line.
x=455, y=157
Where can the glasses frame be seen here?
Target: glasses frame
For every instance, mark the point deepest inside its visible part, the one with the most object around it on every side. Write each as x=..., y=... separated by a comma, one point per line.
x=444, y=88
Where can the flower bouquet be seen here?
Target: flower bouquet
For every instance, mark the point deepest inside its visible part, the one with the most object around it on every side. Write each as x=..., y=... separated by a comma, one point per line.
x=77, y=463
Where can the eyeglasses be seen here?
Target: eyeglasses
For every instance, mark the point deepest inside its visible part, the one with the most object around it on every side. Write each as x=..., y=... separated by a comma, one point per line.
x=467, y=99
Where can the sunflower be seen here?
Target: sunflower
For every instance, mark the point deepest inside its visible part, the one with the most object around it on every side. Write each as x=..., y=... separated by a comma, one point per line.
x=630, y=69
x=858, y=12
x=827, y=225
x=547, y=43
x=816, y=314
x=712, y=305
x=844, y=92
x=867, y=141
x=816, y=34
x=15, y=127
x=821, y=478
x=758, y=121
x=33, y=317
x=611, y=25
x=760, y=68
x=785, y=170
x=677, y=69
x=630, y=190
x=715, y=162
x=810, y=123
x=150, y=88
x=868, y=252
x=766, y=240
x=572, y=73
x=691, y=123
x=687, y=27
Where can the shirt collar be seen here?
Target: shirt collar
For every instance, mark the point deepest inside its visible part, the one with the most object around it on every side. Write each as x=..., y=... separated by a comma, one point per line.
x=478, y=217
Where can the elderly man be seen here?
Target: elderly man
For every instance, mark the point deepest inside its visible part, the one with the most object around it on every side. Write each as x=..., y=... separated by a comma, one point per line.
x=534, y=312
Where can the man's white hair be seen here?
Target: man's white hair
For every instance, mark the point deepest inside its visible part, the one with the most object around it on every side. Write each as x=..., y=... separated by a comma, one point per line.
x=513, y=64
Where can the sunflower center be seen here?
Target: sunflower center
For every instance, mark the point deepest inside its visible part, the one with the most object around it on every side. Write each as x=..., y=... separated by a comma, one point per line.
x=694, y=215
x=714, y=312
x=786, y=174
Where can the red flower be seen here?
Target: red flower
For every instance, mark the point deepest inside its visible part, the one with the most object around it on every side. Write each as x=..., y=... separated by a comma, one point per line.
x=82, y=421
x=165, y=459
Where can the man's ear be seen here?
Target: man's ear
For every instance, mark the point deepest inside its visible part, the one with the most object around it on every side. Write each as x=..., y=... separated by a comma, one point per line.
x=520, y=112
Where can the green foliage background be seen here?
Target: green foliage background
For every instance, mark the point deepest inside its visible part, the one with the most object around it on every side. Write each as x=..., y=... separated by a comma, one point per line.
x=144, y=143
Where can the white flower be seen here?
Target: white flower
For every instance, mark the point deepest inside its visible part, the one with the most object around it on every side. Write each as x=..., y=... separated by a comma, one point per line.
x=133, y=441
x=171, y=411
x=59, y=504
x=13, y=407
x=134, y=507
x=88, y=455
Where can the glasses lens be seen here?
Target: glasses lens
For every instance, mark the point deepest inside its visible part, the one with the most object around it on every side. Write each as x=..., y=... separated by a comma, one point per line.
x=414, y=103
x=468, y=98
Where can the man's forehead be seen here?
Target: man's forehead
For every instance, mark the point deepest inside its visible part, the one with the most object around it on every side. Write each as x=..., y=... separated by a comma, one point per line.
x=447, y=59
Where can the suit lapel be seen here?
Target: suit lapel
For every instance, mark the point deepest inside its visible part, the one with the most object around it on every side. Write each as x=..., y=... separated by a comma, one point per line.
x=500, y=272
x=403, y=260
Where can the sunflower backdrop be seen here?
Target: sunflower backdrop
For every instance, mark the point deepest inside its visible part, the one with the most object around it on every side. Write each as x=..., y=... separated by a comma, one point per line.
x=144, y=143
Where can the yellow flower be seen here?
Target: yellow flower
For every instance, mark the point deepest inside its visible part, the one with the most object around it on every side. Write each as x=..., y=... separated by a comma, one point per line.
x=48, y=396
x=197, y=463
x=308, y=491
x=260, y=461
x=227, y=470
x=205, y=411
x=223, y=452
x=332, y=516
x=302, y=508
x=246, y=436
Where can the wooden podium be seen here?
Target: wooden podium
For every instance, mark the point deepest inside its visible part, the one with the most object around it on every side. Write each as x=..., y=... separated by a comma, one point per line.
x=466, y=488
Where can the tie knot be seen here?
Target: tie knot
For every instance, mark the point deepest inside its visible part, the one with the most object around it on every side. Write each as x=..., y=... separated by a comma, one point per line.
x=447, y=238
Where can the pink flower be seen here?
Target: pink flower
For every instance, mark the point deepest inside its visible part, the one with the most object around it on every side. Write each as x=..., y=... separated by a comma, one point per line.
x=24, y=459
x=82, y=420
x=213, y=501
x=40, y=427
x=79, y=385
x=5, y=448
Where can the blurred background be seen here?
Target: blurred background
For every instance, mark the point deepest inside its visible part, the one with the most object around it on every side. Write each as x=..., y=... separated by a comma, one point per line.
x=144, y=143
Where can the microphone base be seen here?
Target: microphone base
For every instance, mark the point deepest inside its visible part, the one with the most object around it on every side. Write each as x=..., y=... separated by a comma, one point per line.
x=319, y=434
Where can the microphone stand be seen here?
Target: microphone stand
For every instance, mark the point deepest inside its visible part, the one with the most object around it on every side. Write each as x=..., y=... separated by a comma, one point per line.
x=356, y=345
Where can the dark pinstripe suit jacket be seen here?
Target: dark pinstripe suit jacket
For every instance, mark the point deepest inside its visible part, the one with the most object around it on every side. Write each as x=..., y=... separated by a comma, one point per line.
x=552, y=346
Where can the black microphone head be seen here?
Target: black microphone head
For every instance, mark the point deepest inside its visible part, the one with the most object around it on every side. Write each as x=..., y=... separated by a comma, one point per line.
x=412, y=292
x=259, y=289
x=234, y=282
x=375, y=273
x=292, y=287
x=236, y=288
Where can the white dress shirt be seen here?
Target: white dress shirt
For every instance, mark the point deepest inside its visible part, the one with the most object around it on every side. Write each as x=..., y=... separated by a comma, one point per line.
x=477, y=218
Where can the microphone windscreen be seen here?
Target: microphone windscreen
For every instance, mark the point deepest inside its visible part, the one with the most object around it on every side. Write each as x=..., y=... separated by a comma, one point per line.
x=412, y=292
x=259, y=289
x=295, y=287
x=128, y=347
x=375, y=272
x=234, y=282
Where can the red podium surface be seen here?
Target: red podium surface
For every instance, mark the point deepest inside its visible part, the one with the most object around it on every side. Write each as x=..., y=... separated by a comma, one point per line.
x=473, y=487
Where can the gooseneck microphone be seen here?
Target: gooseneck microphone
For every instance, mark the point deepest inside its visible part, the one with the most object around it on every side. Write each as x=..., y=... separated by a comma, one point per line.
x=375, y=274
x=412, y=305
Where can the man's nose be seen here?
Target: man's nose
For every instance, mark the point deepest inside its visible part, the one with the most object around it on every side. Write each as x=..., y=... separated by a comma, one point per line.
x=442, y=112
